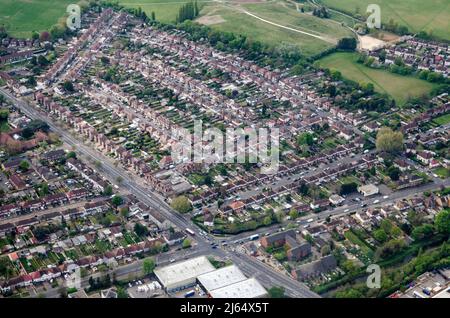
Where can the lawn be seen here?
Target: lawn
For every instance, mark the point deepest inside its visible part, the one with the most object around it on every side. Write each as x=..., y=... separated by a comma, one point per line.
x=442, y=120
x=417, y=15
x=21, y=17
x=442, y=172
x=397, y=86
x=349, y=235
x=4, y=126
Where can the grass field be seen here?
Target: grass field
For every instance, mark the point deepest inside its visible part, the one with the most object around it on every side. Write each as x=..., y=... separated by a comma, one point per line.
x=233, y=19
x=442, y=120
x=442, y=172
x=165, y=10
x=397, y=86
x=21, y=17
x=417, y=15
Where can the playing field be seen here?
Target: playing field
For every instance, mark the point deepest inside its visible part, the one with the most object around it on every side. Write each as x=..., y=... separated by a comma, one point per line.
x=429, y=15
x=397, y=86
x=21, y=17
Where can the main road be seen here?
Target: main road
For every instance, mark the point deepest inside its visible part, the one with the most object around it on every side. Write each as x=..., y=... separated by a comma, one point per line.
x=268, y=276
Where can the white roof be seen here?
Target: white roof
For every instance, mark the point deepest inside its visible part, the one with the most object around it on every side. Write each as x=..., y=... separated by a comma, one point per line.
x=178, y=273
x=443, y=294
x=368, y=189
x=222, y=277
x=249, y=288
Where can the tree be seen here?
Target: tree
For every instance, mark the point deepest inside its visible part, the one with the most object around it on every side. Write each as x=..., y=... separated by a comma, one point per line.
x=305, y=139
x=181, y=204
x=24, y=165
x=380, y=235
x=117, y=200
x=423, y=232
x=393, y=173
x=124, y=212
x=186, y=243
x=44, y=36
x=108, y=190
x=347, y=188
x=267, y=220
x=68, y=86
x=4, y=113
x=153, y=16
x=276, y=292
x=140, y=230
x=148, y=266
x=442, y=222
x=348, y=44
x=389, y=141
x=293, y=214
x=71, y=154
x=122, y=293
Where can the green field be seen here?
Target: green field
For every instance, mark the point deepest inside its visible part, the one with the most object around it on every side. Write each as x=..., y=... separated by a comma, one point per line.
x=442, y=172
x=442, y=120
x=417, y=15
x=165, y=10
x=228, y=16
x=21, y=17
x=397, y=86
x=234, y=19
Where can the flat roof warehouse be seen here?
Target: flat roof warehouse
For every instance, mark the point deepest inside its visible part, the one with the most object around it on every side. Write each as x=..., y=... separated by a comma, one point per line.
x=226, y=282
x=184, y=274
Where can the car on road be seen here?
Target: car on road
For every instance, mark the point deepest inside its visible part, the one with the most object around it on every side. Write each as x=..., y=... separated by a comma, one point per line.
x=386, y=197
x=346, y=210
x=376, y=201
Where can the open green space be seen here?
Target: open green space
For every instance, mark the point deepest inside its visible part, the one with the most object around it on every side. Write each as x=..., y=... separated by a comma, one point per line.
x=165, y=10
x=21, y=17
x=430, y=16
x=229, y=18
x=397, y=86
x=442, y=120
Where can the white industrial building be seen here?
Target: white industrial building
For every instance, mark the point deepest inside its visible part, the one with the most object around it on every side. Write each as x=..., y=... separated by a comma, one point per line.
x=184, y=274
x=220, y=278
x=368, y=190
x=249, y=288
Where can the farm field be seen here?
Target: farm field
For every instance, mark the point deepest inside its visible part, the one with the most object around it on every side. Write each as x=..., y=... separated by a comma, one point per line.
x=21, y=17
x=417, y=15
x=397, y=86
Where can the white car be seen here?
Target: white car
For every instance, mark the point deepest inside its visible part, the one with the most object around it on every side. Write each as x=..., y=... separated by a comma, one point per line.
x=346, y=210
x=376, y=201
x=386, y=197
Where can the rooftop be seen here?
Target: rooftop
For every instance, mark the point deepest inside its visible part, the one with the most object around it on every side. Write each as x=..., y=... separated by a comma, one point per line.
x=179, y=272
x=220, y=278
x=249, y=288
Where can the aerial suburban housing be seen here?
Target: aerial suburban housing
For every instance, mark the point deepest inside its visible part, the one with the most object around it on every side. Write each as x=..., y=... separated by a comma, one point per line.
x=179, y=157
